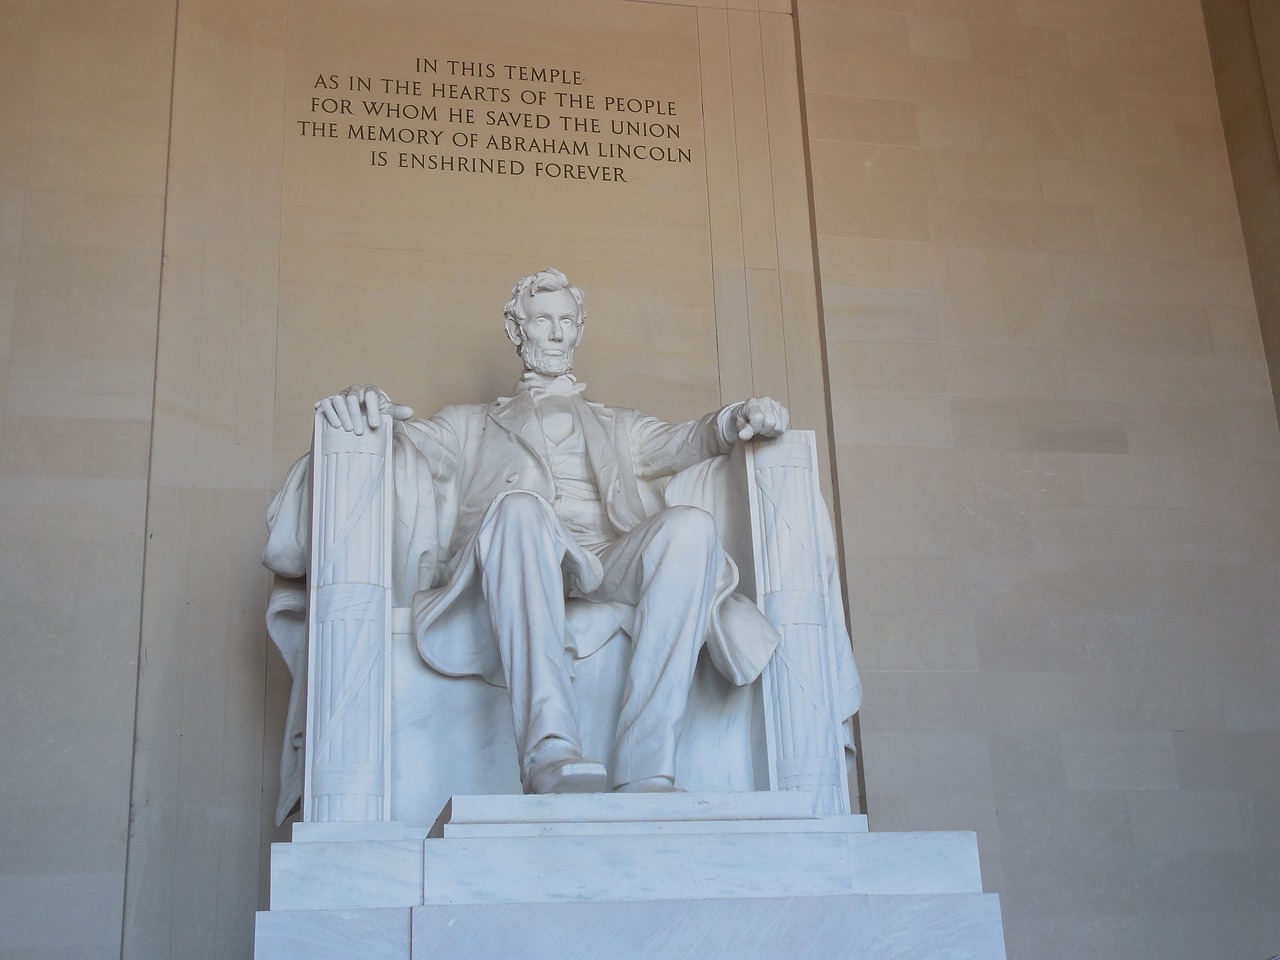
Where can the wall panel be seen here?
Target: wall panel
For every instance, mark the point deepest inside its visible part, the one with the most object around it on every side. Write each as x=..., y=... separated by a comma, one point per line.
x=85, y=108
x=1042, y=342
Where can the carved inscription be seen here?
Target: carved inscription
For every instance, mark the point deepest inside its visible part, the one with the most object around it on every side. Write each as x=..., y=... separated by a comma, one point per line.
x=444, y=116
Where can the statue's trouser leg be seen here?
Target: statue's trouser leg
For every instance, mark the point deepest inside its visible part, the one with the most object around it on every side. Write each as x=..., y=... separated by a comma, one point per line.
x=666, y=568
x=521, y=551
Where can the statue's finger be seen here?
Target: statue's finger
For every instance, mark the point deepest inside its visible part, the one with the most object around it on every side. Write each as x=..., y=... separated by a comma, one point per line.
x=325, y=406
x=344, y=415
x=372, y=406
x=399, y=411
x=353, y=410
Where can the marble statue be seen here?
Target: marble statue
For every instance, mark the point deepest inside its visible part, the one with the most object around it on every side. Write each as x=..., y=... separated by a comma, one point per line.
x=496, y=520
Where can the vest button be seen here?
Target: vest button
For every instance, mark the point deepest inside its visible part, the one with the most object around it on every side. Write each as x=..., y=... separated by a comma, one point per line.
x=512, y=477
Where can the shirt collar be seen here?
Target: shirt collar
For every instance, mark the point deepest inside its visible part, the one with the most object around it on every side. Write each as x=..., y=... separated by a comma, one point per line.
x=539, y=385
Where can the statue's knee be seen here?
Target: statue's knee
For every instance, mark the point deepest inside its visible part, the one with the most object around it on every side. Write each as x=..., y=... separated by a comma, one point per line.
x=691, y=528
x=515, y=515
x=519, y=506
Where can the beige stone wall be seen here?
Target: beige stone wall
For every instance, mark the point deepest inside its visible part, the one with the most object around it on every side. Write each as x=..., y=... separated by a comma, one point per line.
x=1244, y=41
x=1056, y=445
x=84, y=110
x=207, y=722
x=1057, y=461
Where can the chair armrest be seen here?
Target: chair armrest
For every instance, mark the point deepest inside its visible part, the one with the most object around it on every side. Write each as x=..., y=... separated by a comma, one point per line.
x=347, y=768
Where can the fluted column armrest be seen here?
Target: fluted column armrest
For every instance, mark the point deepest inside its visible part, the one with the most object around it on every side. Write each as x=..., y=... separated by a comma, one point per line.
x=347, y=766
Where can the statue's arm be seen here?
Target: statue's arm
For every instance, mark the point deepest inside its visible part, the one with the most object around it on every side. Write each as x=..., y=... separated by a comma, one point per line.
x=661, y=449
x=425, y=452
x=289, y=523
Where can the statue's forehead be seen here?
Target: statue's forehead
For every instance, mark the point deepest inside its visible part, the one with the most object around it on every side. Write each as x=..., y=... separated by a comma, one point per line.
x=564, y=295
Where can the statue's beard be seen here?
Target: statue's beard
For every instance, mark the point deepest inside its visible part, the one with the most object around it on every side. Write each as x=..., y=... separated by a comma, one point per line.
x=549, y=365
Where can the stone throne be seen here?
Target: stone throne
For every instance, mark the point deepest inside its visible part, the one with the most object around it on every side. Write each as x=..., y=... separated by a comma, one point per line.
x=378, y=736
x=416, y=842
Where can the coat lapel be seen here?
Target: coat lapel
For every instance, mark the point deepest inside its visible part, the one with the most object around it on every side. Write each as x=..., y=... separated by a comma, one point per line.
x=610, y=461
x=607, y=454
x=517, y=416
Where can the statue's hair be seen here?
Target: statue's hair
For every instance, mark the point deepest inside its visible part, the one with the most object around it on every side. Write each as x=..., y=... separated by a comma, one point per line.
x=547, y=281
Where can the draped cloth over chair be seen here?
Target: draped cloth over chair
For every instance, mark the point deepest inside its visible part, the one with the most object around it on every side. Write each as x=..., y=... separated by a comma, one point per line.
x=374, y=733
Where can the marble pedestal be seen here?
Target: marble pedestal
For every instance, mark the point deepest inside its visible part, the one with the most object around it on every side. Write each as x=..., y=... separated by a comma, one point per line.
x=748, y=875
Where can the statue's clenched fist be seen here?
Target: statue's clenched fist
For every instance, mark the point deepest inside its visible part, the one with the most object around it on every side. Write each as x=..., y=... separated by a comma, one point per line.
x=761, y=417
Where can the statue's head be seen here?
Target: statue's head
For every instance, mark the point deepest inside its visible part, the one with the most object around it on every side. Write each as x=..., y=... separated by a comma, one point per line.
x=544, y=319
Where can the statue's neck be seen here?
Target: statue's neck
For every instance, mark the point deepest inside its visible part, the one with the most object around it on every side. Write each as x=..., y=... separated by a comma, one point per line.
x=544, y=384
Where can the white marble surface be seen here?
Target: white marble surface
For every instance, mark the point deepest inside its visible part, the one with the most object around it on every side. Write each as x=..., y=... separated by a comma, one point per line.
x=811, y=677
x=842, y=824
x=624, y=860
x=914, y=927
x=303, y=832
x=718, y=751
x=346, y=873
x=349, y=601
x=659, y=867
x=623, y=808
x=635, y=814
x=348, y=934
x=716, y=875
x=863, y=927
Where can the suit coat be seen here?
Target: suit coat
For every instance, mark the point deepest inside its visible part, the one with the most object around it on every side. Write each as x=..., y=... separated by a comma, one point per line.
x=476, y=454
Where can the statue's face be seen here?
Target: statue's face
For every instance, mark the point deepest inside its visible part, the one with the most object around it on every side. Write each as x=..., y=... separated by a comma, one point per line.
x=550, y=332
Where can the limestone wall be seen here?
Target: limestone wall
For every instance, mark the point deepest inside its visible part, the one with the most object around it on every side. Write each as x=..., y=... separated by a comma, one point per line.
x=83, y=137
x=1244, y=41
x=1057, y=460
x=1049, y=410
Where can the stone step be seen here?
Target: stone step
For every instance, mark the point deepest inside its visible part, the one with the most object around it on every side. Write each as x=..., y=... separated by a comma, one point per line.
x=547, y=869
x=638, y=866
x=859, y=927
x=578, y=814
x=620, y=808
x=846, y=824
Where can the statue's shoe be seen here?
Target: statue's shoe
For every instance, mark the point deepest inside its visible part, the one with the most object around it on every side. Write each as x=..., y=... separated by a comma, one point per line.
x=582, y=775
x=649, y=785
x=556, y=767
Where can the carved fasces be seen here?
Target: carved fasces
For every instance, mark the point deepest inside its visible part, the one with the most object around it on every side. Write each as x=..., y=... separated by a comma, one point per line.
x=793, y=585
x=348, y=680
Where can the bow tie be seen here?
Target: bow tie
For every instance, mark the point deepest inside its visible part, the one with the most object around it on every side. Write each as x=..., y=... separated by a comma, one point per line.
x=540, y=386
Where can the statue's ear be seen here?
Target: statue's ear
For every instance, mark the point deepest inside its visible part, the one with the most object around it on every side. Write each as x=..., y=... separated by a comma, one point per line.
x=513, y=332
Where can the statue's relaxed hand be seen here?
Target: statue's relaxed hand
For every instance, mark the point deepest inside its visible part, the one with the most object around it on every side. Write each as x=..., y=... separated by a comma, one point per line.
x=360, y=408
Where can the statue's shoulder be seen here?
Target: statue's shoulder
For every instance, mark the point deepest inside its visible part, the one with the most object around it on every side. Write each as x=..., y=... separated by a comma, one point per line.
x=450, y=426
x=622, y=414
x=461, y=413
x=470, y=409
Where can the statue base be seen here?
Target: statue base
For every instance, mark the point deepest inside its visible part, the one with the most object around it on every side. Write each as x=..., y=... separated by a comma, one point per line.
x=745, y=875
